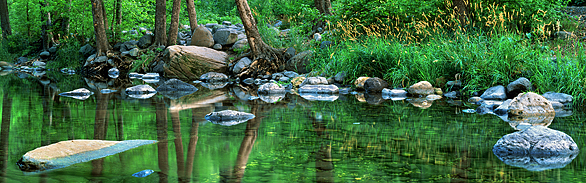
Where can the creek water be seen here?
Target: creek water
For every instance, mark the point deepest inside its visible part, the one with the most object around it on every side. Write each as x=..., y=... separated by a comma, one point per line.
x=355, y=138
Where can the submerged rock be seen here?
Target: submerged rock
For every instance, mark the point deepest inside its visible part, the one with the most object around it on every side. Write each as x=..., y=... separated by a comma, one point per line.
x=80, y=94
x=214, y=86
x=175, y=89
x=228, y=117
x=66, y=153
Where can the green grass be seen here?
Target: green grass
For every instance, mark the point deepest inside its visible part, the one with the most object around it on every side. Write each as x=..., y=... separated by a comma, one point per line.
x=480, y=61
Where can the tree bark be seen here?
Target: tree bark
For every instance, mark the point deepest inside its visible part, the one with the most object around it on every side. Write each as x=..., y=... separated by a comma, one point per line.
x=192, y=15
x=4, y=19
x=327, y=7
x=173, y=30
x=105, y=15
x=99, y=30
x=46, y=35
x=266, y=59
x=462, y=8
x=161, y=23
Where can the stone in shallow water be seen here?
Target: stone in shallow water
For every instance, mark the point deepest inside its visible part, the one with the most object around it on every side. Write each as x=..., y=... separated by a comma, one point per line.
x=66, y=153
x=80, y=94
x=228, y=117
x=141, y=91
x=143, y=173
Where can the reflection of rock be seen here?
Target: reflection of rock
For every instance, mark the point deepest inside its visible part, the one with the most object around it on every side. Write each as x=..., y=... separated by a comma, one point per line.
x=107, y=91
x=422, y=103
x=66, y=153
x=394, y=94
x=319, y=89
x=522, y=123
x=175, y=89
x=319, y=97
x=80, y=94
x=271, y=97
x=228, y=117
x=373, y=98
x=536, y=140
x=202, y=99
x=537, y=163
x=271, y=88
x=141, y=91
x=214, y=86
x=143, y=173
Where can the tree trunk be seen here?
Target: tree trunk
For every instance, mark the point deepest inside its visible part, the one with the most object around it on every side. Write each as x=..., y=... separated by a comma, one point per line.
x=327, y=7
x=324, y=7
x=161, y=23
x=172, y=40
x=99, y=30
x=45, y=28
x=192, y=15
x=266, y=59
x=4, y=20
x=105, y=15
x=462, y=8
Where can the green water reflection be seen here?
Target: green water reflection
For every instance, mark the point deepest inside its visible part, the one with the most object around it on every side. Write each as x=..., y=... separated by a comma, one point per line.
x=293, y=140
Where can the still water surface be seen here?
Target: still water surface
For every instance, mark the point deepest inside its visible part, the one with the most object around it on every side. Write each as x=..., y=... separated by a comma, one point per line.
x=292, y=140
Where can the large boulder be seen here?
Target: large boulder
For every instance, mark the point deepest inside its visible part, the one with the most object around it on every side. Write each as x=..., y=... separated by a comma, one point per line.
x=494, y=93
x=299, y=62
x=189, y=62
x=530, y=104
x=225, y=36
x=520, y=85
x=315, y=81
x=375, y=85
x=536, y=140
x=241, y=64
x=202, y=36
x=66, y=153
x=359, y=83
x=145, y=41
x=421, y=88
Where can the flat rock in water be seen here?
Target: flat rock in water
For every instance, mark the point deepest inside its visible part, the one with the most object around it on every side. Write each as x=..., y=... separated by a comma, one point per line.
x=319, y=89
x=315, y=81
x=394, y=93
x=80, y=94
x=66, y=153
x=143, y=173
x=228, y=117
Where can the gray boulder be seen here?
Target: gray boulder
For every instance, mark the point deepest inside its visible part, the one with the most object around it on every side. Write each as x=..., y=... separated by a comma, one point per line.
x=271, y=88
x=319, y=96
x=375, y=85
x=202, y=37
x=558, y=97
x=518, y=86
x=421, y=88
x=45, y=54
x=503, y=108
x=340, y=77
x=217, y=46
x=319, y=89
x=213, y=77
x=133, y=52
x=299, y=61
x=314, y=81
x=394, y=94
x=240, y=44
x=494, y=93
x=529, y=104
x=225, y=36
x=226, y=23
x=87, y=50
x=241, y=64
x=536, y=140
x=289, y=53
x=145, y=41
x=290, y=74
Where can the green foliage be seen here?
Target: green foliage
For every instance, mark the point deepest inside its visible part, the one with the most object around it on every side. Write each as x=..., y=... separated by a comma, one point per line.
x=67, y=55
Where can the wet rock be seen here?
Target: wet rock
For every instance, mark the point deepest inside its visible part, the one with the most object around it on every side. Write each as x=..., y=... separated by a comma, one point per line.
x=359, y=83
x=225, y=36
x=494, y=93
x=175, y=89
x=314, y=81
x=145, y=41
x=217, y=47
x=375, y=85
x=318, y=89
x=421, y=88
x=518, y=86
x=113, y=73
x=394, y=93
x=298, y=62
x=202, y=37
x=80, y=94
x=284, y=79
x=189, y=62
x=151, y=77
x=108, y=91
x=277, y=76
x=39, y=64
x=228, y=117
x=331, y=80
x=452, y=94
x=522, y=123
x=530, y=104
x=213, y=77
x=291, y=74
x=563, y=98
x=484, y=109
x=297, y=81
x=87, y=50
x=438, y=91
x=66, y=153
x=141, y=91
x=133, y=52
x=271, y=88
x=21, y=60
x=503, y=108
x=563, y=112
x=241, y=64
x=134, y=75
x=475, y=100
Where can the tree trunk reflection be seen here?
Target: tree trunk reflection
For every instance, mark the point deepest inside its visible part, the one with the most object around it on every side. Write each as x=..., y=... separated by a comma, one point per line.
x=100, y=129
x=162, y=145
x=323, y=157
x=4, y=134
x=193, y=137
x=178, y=145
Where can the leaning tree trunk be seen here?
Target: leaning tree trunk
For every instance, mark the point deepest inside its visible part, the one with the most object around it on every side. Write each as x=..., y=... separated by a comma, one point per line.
x=99, y=30
x=160, y=23
x=172, y=40
x=4, y=20
x=266, y=59
x=192, y=15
